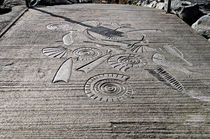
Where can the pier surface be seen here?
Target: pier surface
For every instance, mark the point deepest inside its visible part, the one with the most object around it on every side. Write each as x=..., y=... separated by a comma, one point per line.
x=103, y=71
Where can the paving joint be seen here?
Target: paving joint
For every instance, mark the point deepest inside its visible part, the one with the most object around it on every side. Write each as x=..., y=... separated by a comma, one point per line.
x=5, y=29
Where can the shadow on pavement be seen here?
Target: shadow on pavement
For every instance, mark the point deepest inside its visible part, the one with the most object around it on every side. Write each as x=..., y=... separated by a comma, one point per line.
x=5, y=10
x=104, y=31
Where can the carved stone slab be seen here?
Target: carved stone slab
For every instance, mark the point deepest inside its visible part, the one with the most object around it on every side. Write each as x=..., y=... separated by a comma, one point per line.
x=103, y=71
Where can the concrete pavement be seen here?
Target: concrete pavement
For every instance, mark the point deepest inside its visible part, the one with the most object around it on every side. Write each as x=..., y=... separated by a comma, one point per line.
x=8, y=19
x=103, y=71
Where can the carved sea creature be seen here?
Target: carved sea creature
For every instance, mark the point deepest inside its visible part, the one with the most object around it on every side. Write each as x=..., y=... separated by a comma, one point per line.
x=93, y=64
x=64, y=71
x=55, y=52
x=68, y=39
x=161, y=60
x=175, y=52
x=165, y=77
x=87, y=53
x=108, y=87
x=123, y=62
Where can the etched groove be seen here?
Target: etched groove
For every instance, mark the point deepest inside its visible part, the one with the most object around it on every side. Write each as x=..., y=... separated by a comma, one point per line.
x=52, y=26
x=88, y=35
x=59, y=26
x=64, y=71
x=161, y=60
x=140, y=46
x=87, y=53
x=146, y=30
x=68, y=39
x=167, y=78
x=123, y=62
x=176, y=52
x=109, y=88
x=55, y=52
x=93, y=64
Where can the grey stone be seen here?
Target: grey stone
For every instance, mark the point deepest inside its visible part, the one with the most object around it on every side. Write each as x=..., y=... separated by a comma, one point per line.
x=132, y=103
x=202, y=26
x=160, y=5
x=177, y=5
x=8, y=17
x=152, y=4
x=145, y=3
x=1, y=2
x=205, y=8
x=186, y=10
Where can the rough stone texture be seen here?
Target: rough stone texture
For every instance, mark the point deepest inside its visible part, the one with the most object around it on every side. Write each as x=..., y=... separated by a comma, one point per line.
x=7, y=18
x=160, y=5
x=168, y=101
x=202, y=26
x=177, y=5
x=56, y=2
x=187, y=11
x=199, y=1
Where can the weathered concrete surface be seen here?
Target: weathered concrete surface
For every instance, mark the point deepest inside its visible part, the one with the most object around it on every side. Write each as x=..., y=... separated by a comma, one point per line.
x=165, y=87
x=6, y=20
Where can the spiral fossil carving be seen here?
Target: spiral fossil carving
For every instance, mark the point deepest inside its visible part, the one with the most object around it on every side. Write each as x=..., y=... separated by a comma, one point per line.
x=87, y=53
x=123, y=62
x=109, y=87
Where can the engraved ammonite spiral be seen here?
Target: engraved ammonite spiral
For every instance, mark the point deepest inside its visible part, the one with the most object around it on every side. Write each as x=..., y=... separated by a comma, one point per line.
x=87, y=53
x=108, y=87
x=123, y=62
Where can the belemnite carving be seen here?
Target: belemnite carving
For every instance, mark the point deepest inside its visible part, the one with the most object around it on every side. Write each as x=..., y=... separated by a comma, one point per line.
x=123, y=62
x=64, y=71
x=160, y=59
x=55, y=52
x=109, y=87
x=176, y=52
x=93, y=64
x=87, y=53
